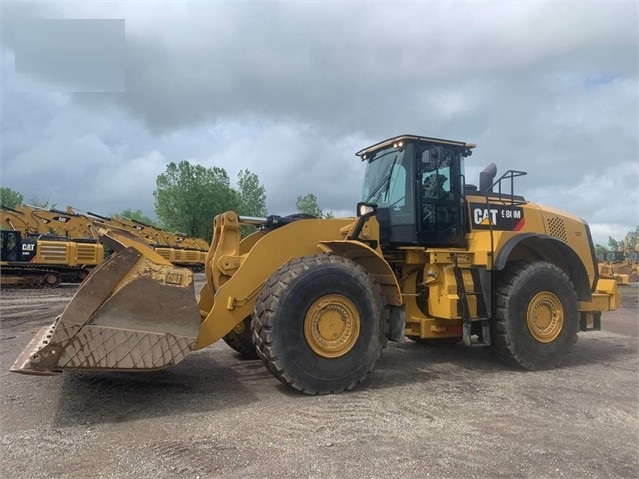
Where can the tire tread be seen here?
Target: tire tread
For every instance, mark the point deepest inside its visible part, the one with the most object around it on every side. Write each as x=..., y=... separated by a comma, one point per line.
x=503, y=346
x=267, y=303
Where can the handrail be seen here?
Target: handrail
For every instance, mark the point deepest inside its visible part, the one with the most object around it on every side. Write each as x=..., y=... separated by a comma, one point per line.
x=508, y=175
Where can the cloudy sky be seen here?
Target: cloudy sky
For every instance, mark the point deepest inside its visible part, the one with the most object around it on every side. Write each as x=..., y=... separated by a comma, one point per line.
x=292, y=90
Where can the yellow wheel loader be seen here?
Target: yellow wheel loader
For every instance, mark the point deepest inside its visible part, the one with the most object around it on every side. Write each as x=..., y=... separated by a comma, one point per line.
x=427, y=257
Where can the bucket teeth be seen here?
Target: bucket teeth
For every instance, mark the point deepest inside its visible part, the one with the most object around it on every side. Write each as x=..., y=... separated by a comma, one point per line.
x=130, y=314
x=39, y=356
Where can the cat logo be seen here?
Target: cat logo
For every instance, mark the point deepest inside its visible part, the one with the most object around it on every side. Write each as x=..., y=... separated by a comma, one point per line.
x=497, y=217
x=485, y=216
x=28, y=247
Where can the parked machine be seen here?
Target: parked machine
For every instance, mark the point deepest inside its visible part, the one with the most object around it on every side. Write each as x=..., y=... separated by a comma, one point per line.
x=621, y=265
x=180, y=249
x=45, y=260
x=177, y=248
x=613, y=265
x=427, y=257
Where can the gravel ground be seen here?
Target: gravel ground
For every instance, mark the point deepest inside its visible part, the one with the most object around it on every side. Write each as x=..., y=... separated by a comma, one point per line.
x=423, y=412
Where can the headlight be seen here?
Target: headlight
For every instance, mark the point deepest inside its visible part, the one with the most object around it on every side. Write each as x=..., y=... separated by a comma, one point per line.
x=366, y=209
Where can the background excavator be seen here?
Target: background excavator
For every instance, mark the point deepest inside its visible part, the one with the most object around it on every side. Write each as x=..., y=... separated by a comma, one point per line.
x=177, y=248
x=28, y=256
x=36, y=248
x=317, y=299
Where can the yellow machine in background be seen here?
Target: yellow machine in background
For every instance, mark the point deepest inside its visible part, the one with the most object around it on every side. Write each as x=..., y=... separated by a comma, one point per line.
x=46, y=260
x=613, y=265
x=45, y=247
x=632, y=260
x=177, y=248
x=427, y=257
x=34, y=220
x=622, y=265
x=21, y=219
x=180, y=249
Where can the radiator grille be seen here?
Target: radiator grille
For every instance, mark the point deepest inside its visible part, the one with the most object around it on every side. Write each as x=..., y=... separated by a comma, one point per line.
x=191, y=256
x=87, y=254
x=53, y=252
x=164, y=252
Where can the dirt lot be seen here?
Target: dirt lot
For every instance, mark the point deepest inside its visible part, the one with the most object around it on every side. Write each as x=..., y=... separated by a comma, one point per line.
x=422, y=413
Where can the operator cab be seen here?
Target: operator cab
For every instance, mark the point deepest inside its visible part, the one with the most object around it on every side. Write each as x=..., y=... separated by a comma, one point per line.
x=14, y=248
x=417, y=184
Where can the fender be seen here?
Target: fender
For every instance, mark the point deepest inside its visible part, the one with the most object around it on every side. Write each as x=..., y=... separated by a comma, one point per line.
x=542, y=244
x=370, y=260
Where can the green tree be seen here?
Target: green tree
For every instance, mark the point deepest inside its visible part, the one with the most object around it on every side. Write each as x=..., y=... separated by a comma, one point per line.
x=10, y=198
x=137, y=215
x=252, y=197
x=252, y=194
x=308, y=204
x=613, y=244
x=187, y=198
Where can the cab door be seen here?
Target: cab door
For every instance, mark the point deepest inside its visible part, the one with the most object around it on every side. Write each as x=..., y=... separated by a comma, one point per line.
x=440, y=203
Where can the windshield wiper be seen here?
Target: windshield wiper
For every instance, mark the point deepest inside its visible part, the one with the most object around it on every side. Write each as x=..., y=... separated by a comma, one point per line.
x=378, y=189
x=385, y=182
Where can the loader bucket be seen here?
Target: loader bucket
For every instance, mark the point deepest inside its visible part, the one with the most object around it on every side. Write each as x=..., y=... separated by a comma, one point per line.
x=133, y=312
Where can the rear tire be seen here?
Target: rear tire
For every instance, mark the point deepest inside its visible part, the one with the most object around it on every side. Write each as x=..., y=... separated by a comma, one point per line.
x=535, y=316
x=240, y=339
x=318, y=324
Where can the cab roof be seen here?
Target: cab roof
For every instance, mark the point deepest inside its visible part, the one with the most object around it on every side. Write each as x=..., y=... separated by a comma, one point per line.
x=396, y=139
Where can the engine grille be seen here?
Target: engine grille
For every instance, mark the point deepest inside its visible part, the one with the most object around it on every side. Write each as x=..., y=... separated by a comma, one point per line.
x=557, y=228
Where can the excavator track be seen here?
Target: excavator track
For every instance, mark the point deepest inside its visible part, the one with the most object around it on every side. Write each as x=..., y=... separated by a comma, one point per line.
x=24, y=277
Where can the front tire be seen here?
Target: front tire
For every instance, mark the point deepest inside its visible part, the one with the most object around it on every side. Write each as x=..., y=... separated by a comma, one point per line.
x=318, y=324
x=535, y=317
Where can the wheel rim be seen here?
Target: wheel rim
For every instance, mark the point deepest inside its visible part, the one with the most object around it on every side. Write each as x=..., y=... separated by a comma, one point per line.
x=51, y=279
x=332, y=325
x=545, y=317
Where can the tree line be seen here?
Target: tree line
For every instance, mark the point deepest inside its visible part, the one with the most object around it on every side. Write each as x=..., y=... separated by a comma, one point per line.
x=188, y=196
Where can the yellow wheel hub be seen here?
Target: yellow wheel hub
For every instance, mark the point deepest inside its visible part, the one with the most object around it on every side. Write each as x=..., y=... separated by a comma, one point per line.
x=545, y=317
x=331, y=325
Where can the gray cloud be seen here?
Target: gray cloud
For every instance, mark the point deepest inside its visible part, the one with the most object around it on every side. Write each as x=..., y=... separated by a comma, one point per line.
x=291, y=91
x=69, y=55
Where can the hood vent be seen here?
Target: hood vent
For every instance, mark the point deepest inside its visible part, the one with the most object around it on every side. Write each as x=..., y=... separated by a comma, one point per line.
x=557, y=228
